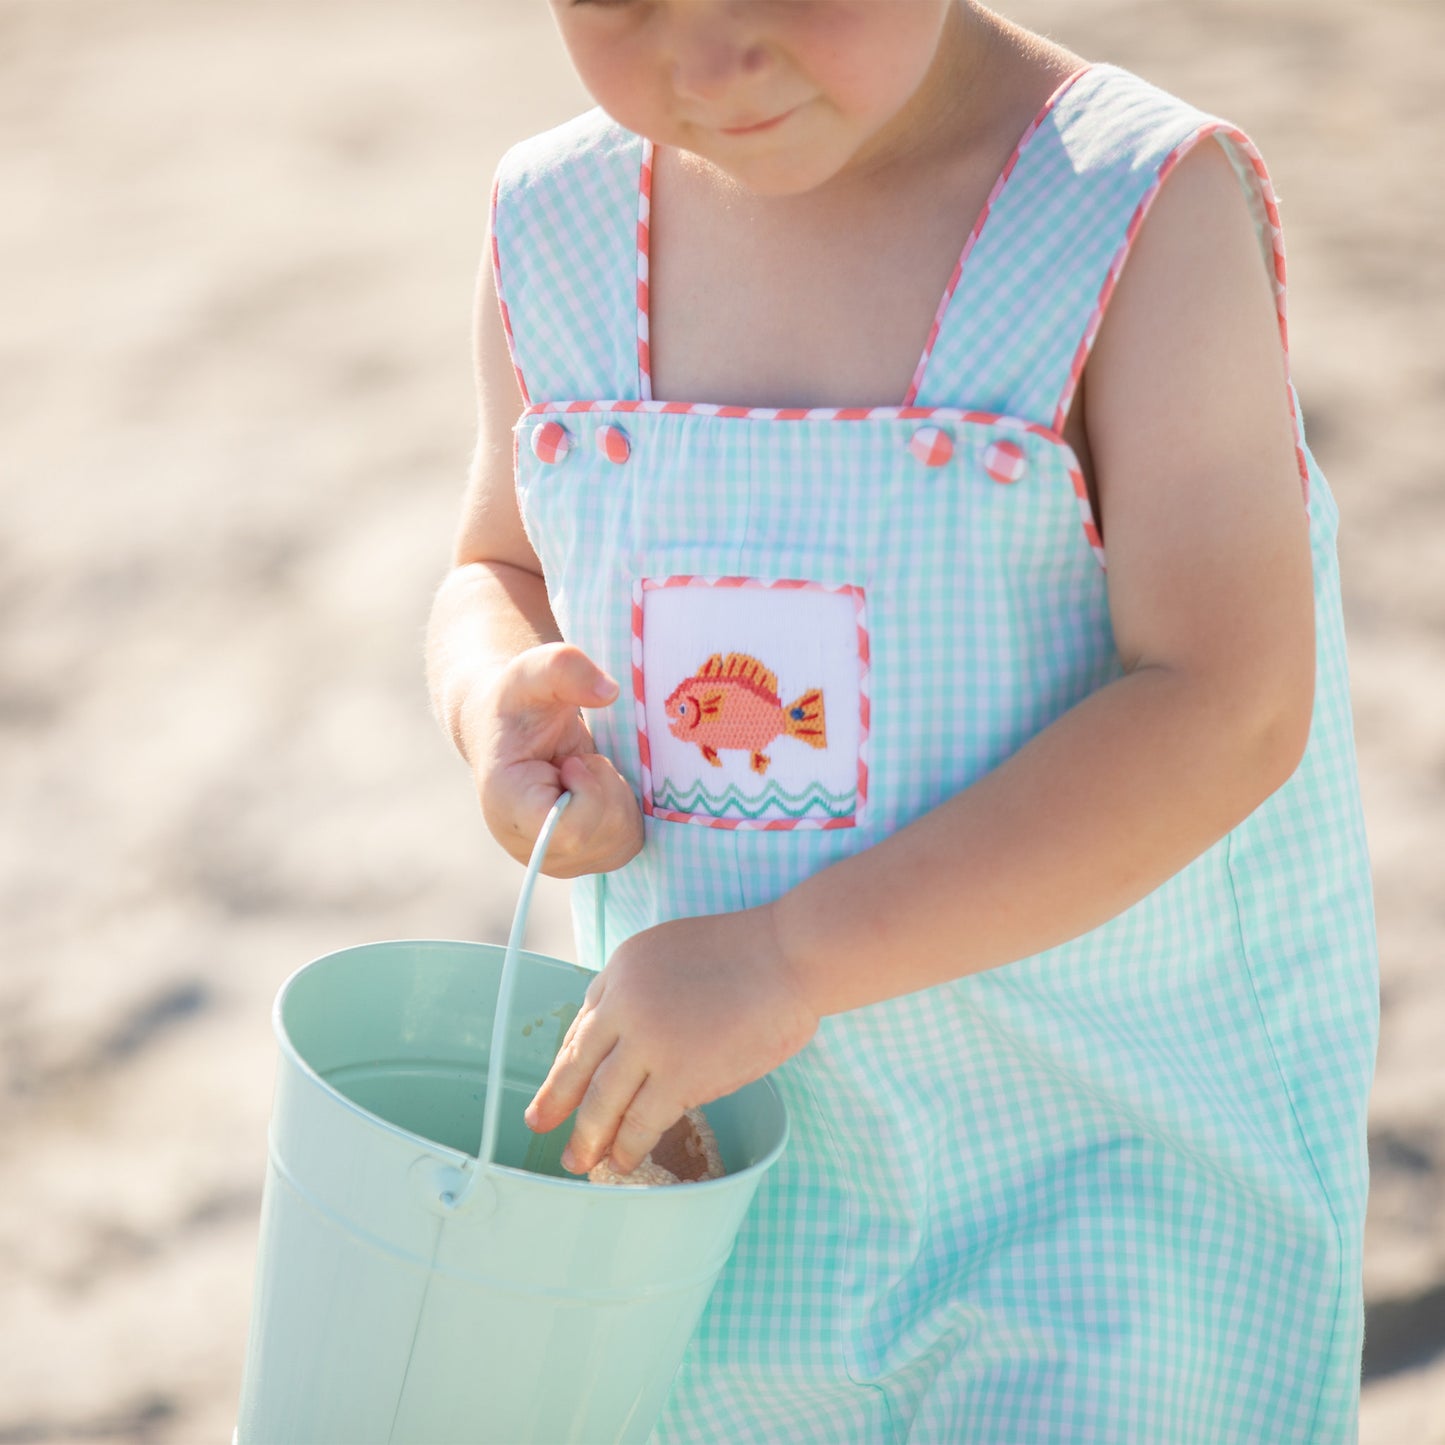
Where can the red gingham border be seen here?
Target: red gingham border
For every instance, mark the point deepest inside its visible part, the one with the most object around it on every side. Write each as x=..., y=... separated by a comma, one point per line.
x=644, y=749
x=978, y=225
x=950, y=415
x=1267, y=196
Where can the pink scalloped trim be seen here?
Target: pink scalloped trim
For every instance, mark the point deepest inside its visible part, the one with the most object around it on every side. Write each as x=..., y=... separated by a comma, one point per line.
x=644, y=749
x=1111, y=279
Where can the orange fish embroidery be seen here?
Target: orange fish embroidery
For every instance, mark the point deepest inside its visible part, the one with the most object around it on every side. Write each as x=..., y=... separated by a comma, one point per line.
x=732, y=702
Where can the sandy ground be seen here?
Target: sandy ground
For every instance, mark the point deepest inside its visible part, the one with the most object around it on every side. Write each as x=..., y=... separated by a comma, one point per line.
x=237, y=242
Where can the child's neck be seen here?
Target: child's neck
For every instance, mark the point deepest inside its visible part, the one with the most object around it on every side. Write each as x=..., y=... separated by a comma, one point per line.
x=823, y=298
x=951, y=109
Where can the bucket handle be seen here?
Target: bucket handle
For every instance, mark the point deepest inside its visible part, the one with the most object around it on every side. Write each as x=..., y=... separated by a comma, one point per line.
x=492, y=1107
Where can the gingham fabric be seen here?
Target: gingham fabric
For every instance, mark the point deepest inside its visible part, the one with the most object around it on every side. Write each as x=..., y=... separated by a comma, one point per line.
x=1111, y=1193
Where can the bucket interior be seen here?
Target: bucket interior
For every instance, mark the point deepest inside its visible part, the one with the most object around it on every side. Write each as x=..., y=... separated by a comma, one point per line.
x=444, y=1103
x=403, y=1031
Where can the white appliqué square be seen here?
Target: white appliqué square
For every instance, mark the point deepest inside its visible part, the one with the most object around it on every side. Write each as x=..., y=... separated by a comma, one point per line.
x=752, y=701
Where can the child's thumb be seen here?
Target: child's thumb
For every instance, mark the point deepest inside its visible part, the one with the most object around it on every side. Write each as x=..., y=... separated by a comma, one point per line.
x=561, y=673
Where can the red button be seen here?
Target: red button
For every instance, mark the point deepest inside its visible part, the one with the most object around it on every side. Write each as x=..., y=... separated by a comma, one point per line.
x=613, y=444
x=932, y=446
x=550, y=442
x=1005, y=462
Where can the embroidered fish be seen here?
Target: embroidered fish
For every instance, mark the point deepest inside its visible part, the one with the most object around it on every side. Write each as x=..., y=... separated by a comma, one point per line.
x=732, y=703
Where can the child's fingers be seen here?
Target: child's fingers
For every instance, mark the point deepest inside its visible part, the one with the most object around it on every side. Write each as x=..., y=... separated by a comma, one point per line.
x=577, y=1019
x=584, y=1048
x=556, y=674
x=515, y=802
x=590, y=1000
x=585, y=776
x=649, y=1116
x=607, y=1098
x=602, y=828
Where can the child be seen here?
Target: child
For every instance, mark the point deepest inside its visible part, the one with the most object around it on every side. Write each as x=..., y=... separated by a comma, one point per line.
x=964, y=741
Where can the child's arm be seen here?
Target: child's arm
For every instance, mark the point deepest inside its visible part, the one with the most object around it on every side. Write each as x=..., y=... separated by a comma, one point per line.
x=1212, y=604
x=503, y=683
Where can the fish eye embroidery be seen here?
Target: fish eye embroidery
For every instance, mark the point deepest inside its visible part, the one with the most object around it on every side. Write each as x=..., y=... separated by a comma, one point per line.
x=768, y=732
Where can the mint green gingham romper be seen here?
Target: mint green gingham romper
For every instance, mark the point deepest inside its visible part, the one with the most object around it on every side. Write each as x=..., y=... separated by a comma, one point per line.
x=1111, y=1193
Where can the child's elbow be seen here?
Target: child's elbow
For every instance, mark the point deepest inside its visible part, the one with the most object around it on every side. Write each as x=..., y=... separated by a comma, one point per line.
x=1281, y=733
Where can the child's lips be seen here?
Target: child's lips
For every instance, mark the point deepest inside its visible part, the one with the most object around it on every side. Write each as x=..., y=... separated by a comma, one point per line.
x=755, y=127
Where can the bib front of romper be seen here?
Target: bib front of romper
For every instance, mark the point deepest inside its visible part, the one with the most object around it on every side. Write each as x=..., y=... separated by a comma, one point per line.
x=1109, y=1193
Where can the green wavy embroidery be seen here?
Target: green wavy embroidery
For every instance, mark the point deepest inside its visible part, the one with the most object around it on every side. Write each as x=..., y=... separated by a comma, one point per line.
x=814, y=799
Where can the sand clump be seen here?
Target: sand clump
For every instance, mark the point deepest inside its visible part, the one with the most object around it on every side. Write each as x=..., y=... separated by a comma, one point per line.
x=686, y=1154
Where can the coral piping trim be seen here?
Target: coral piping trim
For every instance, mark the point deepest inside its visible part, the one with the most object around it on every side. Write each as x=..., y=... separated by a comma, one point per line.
x=1247, y=149
x=977, y=231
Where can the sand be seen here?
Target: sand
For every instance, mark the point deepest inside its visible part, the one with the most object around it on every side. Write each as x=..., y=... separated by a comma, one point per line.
x=237, y=245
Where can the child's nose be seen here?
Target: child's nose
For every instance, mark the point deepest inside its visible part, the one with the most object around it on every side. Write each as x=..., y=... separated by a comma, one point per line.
x=714, y=48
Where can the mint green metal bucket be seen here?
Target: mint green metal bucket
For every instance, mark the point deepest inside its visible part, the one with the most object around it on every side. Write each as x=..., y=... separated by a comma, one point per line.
x=407, y=1291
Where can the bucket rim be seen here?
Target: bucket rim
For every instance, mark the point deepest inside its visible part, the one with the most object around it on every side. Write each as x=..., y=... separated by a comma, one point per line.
x=458, y=1158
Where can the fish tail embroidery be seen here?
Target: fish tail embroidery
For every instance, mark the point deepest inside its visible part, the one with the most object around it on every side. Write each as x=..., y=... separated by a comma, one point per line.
x=804, y=720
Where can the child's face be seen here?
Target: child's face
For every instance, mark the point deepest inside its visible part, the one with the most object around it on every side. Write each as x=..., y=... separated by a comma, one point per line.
x=781, y=95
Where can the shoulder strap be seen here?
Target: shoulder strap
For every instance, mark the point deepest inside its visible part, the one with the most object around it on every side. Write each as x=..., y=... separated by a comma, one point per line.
x=1019, y=328
x=565, y=211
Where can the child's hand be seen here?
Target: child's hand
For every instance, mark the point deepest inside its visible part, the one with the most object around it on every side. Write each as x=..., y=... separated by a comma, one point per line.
x=683, y=1013
x=528, y=743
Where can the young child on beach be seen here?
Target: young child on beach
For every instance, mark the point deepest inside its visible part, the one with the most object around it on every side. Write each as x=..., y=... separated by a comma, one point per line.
x=892, y=524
